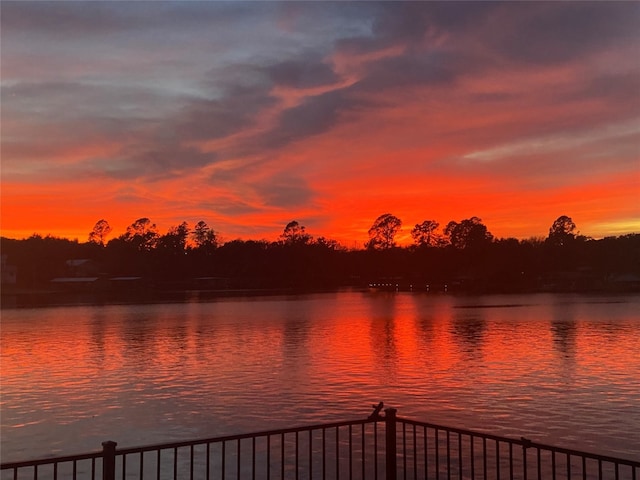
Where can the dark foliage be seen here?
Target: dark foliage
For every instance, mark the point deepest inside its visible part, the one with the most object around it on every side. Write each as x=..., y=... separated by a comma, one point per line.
x=466, y=258
x=300, y=262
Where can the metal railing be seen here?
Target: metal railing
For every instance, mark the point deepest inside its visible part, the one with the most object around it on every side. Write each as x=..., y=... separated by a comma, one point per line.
x=437, y=452
x=378, y=447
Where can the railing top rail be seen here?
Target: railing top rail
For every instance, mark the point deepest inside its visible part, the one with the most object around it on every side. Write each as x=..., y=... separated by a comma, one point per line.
x=187, y=443
x=522, y=442
x=242, y=436
x=49, y=460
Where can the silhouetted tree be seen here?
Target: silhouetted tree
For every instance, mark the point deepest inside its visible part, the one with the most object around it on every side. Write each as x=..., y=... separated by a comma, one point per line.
x=100, y=232
x=424, y=234
x=469, y=233
x=175, y=240
x=534, y=242
x=204, y=237
x=142, y=233
x=246, y=263
x=329, y=244
x=294, y=234
x=383, y=231
x=562, y=231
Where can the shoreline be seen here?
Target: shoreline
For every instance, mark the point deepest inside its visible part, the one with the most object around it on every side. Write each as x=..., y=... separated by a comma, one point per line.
x=43, y=298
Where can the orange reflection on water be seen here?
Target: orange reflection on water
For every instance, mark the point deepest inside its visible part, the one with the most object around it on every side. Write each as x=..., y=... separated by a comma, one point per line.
x=511, y=365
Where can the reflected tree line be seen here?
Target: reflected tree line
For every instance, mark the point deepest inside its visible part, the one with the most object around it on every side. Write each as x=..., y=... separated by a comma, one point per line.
x=461, y=256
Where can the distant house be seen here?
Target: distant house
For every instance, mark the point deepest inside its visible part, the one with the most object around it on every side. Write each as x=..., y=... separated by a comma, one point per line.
x=581, y=280
x=625, y=282
x=82, y=267
x=80, y=275
x=76, y=283
x=128, y=284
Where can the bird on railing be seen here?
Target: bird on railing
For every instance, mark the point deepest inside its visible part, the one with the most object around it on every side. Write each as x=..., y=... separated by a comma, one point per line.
x=376, y=412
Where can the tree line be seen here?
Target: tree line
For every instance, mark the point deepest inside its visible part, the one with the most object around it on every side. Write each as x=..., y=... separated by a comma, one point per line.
x=468, y=233
x=462, y=256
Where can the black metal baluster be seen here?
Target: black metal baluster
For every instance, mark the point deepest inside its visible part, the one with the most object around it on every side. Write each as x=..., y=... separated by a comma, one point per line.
x=404, y=451
x=175, y=464
x=437, y=454
x=415, y=454
x=350, y=453
x=363, y=451
x=510, y=461
x=310, y=455
x=268, y=457
x=324, y=454
x=208, y=459
x=375, y=450
x=448, y=455
x=460, y=456
x=484, y=457
x=282, y=457
x=190, y=464
x=472, y=440
x=253, y=458
x=426, y=451
x=223, y=453
x=337, y=452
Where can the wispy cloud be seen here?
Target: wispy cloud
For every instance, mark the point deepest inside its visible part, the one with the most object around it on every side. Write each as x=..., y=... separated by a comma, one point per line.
x=561, y=142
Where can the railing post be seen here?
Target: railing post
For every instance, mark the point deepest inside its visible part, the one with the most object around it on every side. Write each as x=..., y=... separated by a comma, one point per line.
x=109, y=460
x=391, y=449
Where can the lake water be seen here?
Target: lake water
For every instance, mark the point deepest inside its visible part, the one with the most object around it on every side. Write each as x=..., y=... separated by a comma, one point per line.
x=557, y=369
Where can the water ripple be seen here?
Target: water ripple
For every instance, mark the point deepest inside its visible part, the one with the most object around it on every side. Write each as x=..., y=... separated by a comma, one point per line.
x=557, y=369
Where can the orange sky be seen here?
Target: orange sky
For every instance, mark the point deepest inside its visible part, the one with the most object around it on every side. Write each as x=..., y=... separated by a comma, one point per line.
x=250, y=115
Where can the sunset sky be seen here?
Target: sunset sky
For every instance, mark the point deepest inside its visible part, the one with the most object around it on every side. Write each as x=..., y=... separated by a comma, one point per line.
x=248, y=115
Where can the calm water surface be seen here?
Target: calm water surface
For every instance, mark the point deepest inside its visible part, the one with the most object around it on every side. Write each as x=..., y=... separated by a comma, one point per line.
x=558, y=369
